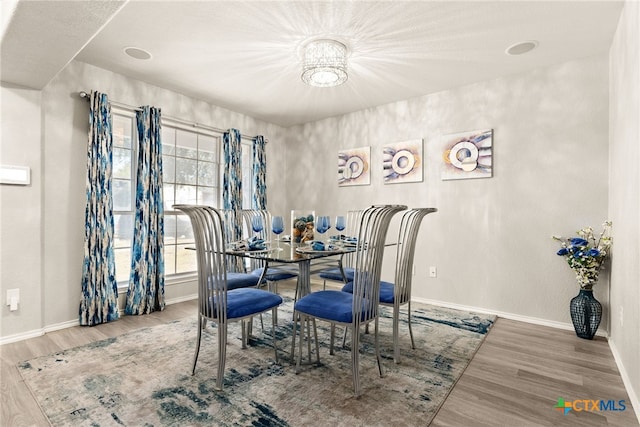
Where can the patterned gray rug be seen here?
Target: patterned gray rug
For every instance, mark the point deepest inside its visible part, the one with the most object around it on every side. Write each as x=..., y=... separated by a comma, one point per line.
x=143, y=377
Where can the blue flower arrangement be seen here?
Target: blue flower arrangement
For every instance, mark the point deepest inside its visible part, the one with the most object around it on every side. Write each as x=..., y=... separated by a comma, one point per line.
x=586, y=254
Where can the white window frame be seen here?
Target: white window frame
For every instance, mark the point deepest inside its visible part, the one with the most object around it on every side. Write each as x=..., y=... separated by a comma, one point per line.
x=247, y=172
x=123, y=283
x=216, y=201
x=169, y=212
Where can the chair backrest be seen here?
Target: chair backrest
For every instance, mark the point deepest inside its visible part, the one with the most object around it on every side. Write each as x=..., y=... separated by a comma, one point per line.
x=407, y=238
x=265, y=217
x=374, y=224
x=209, y=233
x=233, y=224
x=248, y=215
x=233, y=231
x=352, y=229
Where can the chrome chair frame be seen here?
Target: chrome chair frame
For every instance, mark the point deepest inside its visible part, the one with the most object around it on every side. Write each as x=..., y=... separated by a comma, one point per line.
x=215, y=301
x=405, y=254
x=398, y=293
x=269, y=272
x=346, y=263
x=364, y=300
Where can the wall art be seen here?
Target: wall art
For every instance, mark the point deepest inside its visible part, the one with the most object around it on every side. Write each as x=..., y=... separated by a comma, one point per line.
x=467, y=155
x=402, y=162
x=354, y=167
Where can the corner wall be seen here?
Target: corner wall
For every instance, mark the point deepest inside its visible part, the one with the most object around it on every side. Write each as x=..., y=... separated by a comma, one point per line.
x=43, y=224
x=624, y=197
x=20, y=208
x=491, y=238
x=64, y=156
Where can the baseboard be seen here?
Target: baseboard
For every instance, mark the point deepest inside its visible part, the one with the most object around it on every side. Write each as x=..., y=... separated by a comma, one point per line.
x=63, y=325
x=181, y=299
x=506, y=315
x=635, y=402
x=71, y=323
x=21, y=336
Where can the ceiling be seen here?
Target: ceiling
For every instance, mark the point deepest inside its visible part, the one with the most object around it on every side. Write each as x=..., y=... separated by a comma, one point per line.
x=245, y=56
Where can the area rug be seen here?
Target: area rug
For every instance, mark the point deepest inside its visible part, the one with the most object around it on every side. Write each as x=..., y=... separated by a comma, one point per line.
x=142, y=378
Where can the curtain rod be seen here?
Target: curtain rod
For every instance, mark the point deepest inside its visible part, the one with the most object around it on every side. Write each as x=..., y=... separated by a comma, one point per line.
x=87, y=97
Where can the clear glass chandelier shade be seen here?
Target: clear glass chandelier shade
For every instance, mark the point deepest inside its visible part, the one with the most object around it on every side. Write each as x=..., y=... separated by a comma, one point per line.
x=325, y=63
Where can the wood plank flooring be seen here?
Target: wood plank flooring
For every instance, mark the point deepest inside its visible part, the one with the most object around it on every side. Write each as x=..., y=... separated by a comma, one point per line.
x=520, y=371
x=515, y=378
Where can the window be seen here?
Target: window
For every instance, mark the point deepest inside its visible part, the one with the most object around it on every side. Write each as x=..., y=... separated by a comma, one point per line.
x=124, y=143
x=247, y=174
x=191, y=174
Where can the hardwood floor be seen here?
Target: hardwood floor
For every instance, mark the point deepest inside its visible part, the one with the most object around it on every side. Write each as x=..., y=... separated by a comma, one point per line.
x=520, y=372
x=515, y=378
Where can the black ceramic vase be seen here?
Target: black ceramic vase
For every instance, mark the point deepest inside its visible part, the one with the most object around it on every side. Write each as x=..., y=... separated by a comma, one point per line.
x=586, y=313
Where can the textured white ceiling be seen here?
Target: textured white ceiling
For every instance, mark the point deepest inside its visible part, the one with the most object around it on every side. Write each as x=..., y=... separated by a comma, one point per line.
x=41, y=37
x=245, y=55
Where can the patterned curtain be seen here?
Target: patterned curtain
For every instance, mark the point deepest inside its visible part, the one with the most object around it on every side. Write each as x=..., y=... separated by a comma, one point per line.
x=232, y=190
x=146, y=282
x=99, y=300
x=232, y=181
x=259, y=174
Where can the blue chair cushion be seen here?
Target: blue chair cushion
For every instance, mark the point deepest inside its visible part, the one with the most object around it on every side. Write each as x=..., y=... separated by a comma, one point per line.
x=336, y=306
x=386, y=291
x=241, y=280
x=334, y=274
x=274, y=274
x=245, y=302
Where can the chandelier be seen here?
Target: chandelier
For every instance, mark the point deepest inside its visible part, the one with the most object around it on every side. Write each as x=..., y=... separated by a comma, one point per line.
x=325, y=63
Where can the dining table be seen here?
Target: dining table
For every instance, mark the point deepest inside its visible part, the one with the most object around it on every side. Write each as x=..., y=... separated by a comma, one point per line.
x=284, y=253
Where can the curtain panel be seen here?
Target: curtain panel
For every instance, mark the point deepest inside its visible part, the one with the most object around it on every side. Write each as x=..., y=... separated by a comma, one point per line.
x=259, y=200
x=146, y=281
x=232, y=182
x=99, y=299
x=232, y=191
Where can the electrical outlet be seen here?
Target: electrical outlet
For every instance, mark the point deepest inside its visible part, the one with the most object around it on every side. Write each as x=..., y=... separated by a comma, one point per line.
x=433, y=272
x=13, y=298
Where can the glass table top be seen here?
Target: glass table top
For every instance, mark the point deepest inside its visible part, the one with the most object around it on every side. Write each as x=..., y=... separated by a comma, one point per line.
x=287, y=252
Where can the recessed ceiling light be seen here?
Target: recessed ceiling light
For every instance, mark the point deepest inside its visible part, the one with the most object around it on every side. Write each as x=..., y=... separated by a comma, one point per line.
x=521, y=47
x=137, y=53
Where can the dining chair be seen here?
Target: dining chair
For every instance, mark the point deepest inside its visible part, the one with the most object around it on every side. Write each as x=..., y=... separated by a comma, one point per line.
x=216, y=302
x=346, y=261
x=268, y=272
x=357, y=308
x=398, y=293
x=237, y=276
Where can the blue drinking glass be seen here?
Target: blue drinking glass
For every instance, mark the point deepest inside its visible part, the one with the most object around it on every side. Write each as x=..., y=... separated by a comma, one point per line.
x=256, y=225
x=323, y=223
x=277, y=226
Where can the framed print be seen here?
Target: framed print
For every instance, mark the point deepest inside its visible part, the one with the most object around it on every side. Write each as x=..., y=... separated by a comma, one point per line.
x=354, y=167
x=467, y=155
x=402, y=162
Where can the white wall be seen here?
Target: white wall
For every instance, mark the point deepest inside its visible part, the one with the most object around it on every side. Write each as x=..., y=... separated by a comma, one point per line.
x=43, y=225
x=624, y=197
x=20, y=223
x=491, y=238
